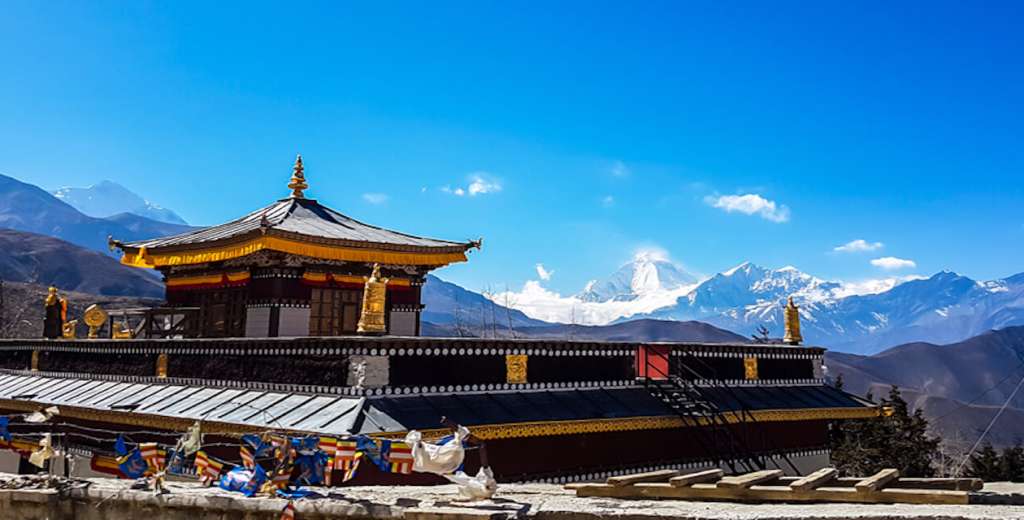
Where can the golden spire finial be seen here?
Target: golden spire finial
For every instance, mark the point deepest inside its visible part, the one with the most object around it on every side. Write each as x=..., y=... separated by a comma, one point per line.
x=298, y=183
x=792, y=312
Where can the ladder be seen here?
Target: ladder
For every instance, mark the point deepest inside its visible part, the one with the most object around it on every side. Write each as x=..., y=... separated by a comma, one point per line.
x=724, y=434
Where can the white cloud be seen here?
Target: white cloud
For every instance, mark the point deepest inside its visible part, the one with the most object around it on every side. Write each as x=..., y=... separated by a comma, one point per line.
x=543, y=304
x=651, y=253
x=375, y=198
x=608, y=201
x=619, y=169
x=872, y=286
x=858, y=246
x=479, y=183
x=750, y=204
x=543, y=273
x=891, y=263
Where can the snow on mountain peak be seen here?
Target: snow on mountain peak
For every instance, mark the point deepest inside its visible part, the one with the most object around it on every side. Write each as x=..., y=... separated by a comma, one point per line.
x=649, y=272
x=745, y=267
x=108, y=198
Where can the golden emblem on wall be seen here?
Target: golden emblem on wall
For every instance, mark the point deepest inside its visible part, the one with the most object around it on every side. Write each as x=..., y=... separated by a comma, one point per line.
x=69, y=329
x=750, y=367
x=94, y=317
x=515, y=368
x=161, y=365
x=371, y=319
x=792, y=313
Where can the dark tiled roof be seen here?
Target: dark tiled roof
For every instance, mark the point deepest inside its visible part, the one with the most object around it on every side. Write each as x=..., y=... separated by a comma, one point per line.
x=336, y=414
x=302, y=218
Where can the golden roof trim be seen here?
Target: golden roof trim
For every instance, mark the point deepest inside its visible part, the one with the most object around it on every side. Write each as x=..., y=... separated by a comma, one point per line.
x=148, y=259
x=660, y=422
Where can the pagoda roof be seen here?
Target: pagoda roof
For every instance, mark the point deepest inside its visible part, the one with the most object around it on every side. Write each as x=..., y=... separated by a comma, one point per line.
x=295, y=225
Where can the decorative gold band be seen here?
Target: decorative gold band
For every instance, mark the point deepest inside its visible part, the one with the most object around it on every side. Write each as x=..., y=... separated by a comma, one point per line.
x=551, y=428
x=143, y=258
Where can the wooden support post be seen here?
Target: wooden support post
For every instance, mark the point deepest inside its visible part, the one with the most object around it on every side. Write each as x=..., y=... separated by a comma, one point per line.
x=749, y=479
x=817, y=479
x=653, y=476
x=700, y=477
x=877, y=481
x=35, y=361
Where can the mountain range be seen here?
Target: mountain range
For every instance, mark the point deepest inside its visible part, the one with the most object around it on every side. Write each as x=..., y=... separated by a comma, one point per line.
x=959, y=386
x=42, y=260
x=943, y=308
x=25, y=207
x=107, y=198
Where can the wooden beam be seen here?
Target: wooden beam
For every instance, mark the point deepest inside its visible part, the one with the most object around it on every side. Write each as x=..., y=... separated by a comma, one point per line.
x=817, y=479
x=877, y=481
x=700, y=477
x=653, y=476
x=773, y=494
x=750, y=479
x=953, y=484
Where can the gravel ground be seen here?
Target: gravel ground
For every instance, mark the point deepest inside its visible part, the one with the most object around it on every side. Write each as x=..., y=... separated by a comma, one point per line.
x=527, y=501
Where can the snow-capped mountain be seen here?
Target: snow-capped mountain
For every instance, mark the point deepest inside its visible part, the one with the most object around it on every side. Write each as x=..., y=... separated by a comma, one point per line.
x=649, y=272
x=944, y=308
x=108, y=198
x=851, y=317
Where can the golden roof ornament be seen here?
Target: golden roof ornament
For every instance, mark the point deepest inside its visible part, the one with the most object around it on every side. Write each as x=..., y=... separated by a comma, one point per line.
x=792, y=313
x=298, y=182
x=371, y=319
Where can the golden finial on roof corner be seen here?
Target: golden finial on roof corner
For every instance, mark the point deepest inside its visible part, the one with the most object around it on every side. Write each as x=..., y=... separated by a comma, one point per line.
x=792, y=321
x=298, y=183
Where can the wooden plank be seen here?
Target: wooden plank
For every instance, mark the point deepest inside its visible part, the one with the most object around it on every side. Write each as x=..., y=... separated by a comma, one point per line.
x=817, y=479
x=877, y=481
x=749, y=479
x=700, y=477
x=653, y=476
x=773, y=494
x=953, y=484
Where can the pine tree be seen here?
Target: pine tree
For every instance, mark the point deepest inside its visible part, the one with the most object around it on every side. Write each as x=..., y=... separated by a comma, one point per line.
x=986, y=464
x=1011, y=464
x=895, y=439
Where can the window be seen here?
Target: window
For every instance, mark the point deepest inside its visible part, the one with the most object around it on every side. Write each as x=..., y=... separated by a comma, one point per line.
x=223, y=313
x=334, y=312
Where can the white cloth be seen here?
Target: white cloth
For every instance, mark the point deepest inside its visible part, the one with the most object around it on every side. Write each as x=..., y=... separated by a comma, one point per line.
x=44, y=453
x=481, y=487
x=440, y=459
x=43, y=416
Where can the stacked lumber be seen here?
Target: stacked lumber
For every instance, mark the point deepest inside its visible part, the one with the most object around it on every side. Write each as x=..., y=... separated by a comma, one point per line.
x=823, y=485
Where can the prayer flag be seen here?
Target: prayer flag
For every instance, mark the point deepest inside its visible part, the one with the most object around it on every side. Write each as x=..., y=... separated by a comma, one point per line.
x=153, y=455
x=207, y=469
x=350, y=470
x=399, y=458
x=248, y=461
x=329, y=445
x=131, y=462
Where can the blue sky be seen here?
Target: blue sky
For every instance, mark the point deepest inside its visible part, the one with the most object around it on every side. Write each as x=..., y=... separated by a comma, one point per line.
x=590, y=130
